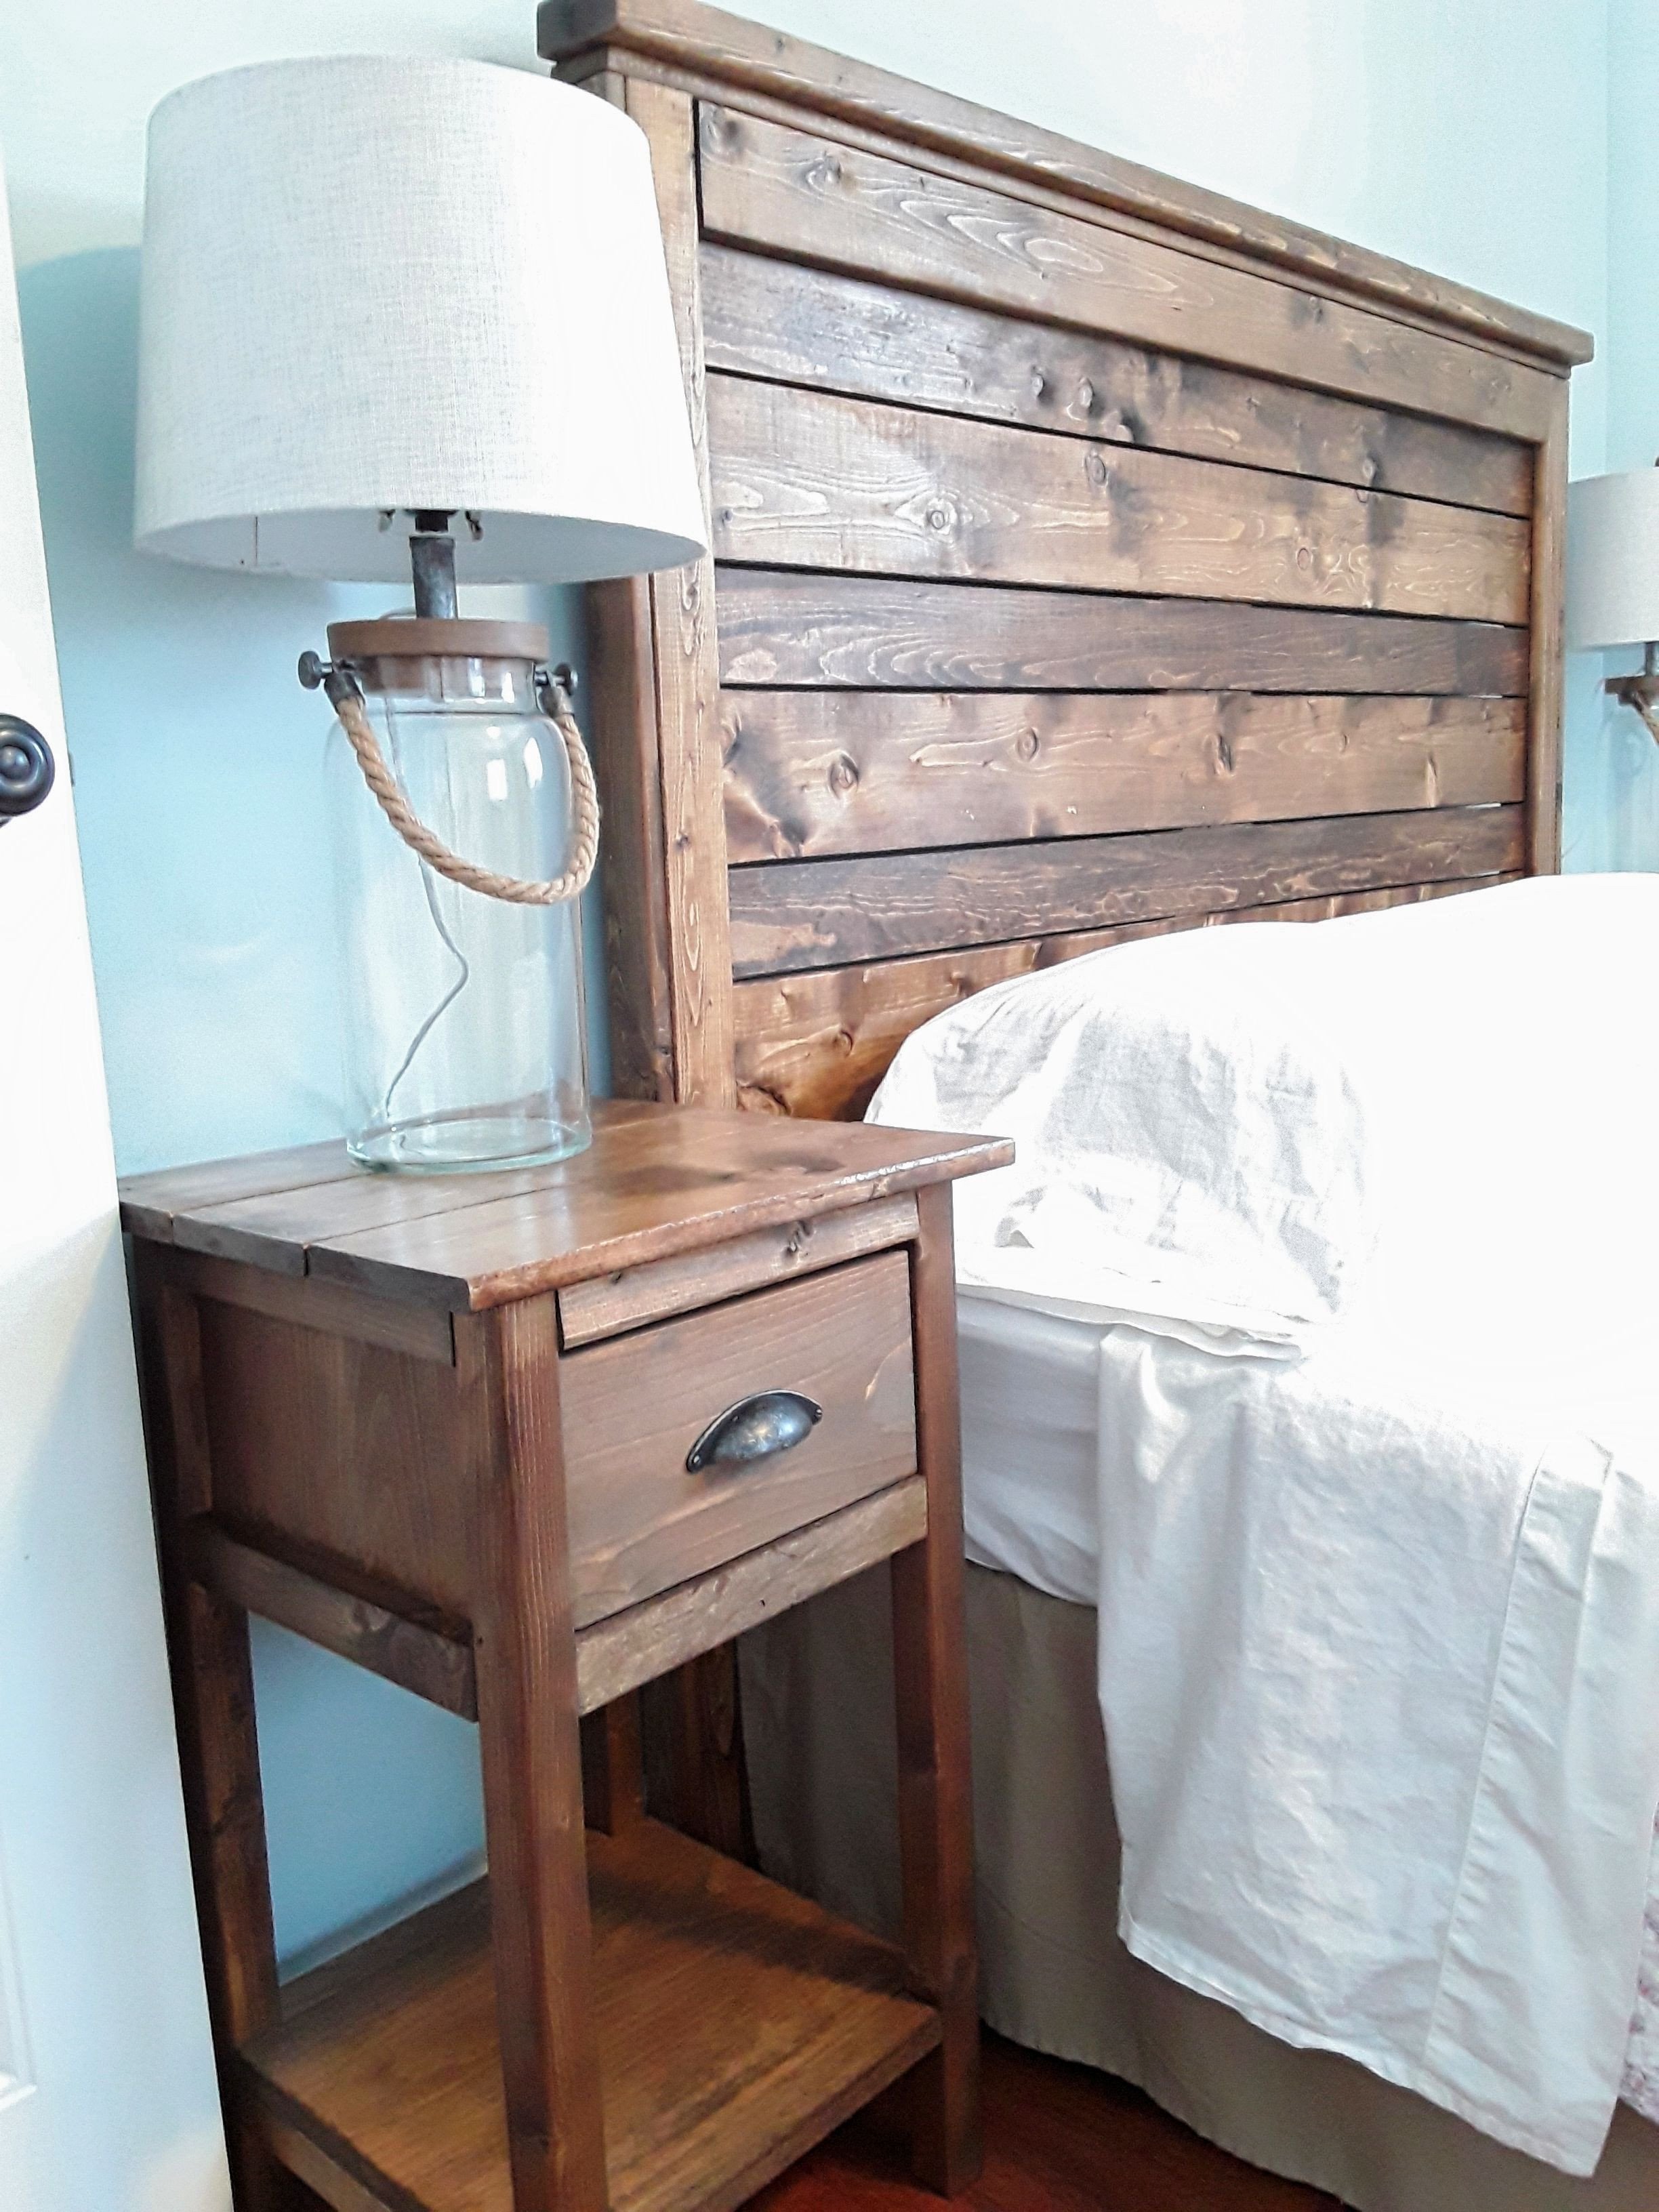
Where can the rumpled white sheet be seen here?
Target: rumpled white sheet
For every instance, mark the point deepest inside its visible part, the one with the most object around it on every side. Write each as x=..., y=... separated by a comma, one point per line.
x=1382, y=1693
x=1046, y=1398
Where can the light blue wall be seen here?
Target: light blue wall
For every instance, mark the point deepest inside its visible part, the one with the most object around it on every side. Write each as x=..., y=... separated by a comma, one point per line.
x=197, y=760
x=1468, y=136
x=1632, y=798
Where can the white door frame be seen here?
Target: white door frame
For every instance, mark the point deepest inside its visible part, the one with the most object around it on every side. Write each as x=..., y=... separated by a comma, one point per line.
x=108, y=2101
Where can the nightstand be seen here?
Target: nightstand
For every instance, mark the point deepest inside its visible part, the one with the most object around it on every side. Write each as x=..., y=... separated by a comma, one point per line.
x=520, y=1443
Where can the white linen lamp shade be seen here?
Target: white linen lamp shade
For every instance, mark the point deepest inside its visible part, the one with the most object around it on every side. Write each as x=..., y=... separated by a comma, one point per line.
x=1613, y=560
x=375, y=286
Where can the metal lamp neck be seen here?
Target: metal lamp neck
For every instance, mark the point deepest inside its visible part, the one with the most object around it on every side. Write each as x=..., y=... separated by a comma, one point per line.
x=432, y=556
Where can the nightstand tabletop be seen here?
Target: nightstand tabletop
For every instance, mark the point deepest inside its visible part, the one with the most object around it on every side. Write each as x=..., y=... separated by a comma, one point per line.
x=658, y=1181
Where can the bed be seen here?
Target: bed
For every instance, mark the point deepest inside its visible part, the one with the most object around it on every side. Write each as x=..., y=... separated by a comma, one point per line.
x=1093, y=558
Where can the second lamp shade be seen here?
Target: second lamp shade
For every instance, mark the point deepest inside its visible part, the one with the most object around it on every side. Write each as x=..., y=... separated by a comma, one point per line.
x=376, y=283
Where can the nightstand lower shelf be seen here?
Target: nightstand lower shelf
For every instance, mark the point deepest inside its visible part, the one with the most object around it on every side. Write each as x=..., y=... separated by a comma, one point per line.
x=737, y=2025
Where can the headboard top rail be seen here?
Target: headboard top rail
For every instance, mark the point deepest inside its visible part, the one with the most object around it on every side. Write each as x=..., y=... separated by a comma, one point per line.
x=727, y=50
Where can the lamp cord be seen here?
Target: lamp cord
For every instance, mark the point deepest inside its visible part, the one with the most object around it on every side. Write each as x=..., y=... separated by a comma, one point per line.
x=394, y=804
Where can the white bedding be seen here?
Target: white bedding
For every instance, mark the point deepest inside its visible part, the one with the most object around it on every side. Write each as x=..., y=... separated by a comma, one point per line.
x=1374, y=1208
x=1048, y=1400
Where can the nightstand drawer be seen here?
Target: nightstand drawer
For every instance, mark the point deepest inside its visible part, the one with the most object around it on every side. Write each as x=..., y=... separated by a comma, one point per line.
x=635, y=1408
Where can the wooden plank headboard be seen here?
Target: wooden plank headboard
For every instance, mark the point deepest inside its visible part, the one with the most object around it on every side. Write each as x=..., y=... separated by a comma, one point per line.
x=1090, y=556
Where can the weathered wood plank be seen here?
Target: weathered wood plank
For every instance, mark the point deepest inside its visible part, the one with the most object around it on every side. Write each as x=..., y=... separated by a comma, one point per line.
x=765, y=62
x=682, y=637
x=810, y=326
x=778, y=627
x=810, y=773
x=789, y=914
x=434, y=1661
x=808, y=480
x=635, y=1647
x=802, y=195
x=611, y=1303
x=1548, y=688
x=819, y=1045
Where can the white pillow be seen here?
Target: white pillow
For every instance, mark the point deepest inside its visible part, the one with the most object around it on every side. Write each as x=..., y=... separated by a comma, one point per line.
x=1216, y=1129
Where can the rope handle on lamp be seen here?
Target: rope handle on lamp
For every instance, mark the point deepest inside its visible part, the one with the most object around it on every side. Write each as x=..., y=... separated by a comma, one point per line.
x=346, y=700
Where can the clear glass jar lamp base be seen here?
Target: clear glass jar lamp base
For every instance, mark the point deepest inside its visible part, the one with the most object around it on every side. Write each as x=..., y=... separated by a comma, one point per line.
x=459, y=1145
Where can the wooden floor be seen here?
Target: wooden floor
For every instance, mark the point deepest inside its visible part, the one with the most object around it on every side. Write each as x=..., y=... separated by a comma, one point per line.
x=1058, y=2138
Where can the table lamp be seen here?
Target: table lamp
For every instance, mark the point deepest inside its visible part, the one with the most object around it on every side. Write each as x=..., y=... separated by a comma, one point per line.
x=1613, y=578
x=404, y=318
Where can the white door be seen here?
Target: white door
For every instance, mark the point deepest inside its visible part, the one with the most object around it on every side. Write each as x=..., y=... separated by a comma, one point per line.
x=108, y=2099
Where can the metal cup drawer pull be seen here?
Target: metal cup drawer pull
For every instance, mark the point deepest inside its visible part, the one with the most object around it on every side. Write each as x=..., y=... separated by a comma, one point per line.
x=755, y=1428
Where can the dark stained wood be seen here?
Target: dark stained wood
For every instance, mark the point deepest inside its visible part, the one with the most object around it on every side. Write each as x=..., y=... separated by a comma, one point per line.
x=682, y=629
x=736, y=2026
x=588, y=1311
x=530, y=1745
x=818, y=1043
x=814, y=773
x=1548, y=694
x=784, y=628
x=811, y=480
x=794, y=325
x=634, y=1648
x=613, y=1768
x=799, y=194
x=621, y=719
x=150, y=1201
x=1058, y=2138
x=726, y=48
x=691, y=1182
x=432, y=1664
x=655, y=1185
x=789, y=914
x=930, y=1670
x=327, y=1445
x=634, y=1406
x=213, y=1704
x=438, y=1520
x=333, y=1308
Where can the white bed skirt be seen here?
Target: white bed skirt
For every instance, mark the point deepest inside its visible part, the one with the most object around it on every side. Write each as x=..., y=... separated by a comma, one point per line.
x=817, y=1689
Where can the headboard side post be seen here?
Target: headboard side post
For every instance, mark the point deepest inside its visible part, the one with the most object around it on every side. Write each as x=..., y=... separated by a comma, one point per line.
x=657, y=689
x=1546, y=697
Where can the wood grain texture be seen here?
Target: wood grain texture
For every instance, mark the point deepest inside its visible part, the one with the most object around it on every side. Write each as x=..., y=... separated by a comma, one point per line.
x=1547, y=698
x=736, y=2026
x=333, y=1309
x=935, y=1781
x=212, y=1673
x=149, y=1202
x=613, y=1765
x=818, y=1043
x=806, y=196
x=366, y=1455
x=1058, y=2138
x=657, y=1182
x=683, y=631
x=814, y=773
x=811, y=480
x=685, y=1183
x=727, y=48
x=588, y=1311
x=783, y=628
x=794, y=325
x=529, y=1748
x=433, y=1661
x=634, y=1406
x=790, y=915
x=634, y=1648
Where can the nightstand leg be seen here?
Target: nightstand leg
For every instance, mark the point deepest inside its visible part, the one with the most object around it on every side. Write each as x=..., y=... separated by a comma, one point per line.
x=218, y=1743
x=531, y=1745
x=935, y=1791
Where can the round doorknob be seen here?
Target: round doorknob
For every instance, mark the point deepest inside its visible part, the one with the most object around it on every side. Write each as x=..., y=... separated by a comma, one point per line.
x=26, y=766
